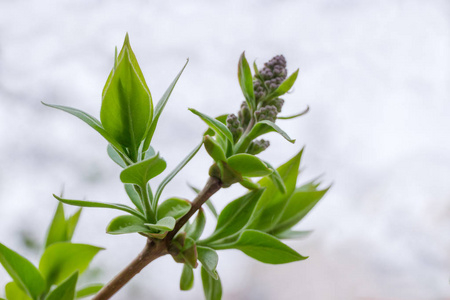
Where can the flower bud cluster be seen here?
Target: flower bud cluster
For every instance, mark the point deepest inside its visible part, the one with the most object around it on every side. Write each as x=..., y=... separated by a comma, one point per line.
x=234, y=126
x=244, y=115
x=266, y=113
x=258, y=146
x=274, y=72
x=278, y=103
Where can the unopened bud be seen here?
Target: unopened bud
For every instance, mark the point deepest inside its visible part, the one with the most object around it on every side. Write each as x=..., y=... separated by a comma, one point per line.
x=234, y=126
x=258, y=146
x=266, y=113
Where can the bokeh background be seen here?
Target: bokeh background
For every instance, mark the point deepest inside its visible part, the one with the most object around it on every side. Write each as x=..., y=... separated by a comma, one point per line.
x=376, y=75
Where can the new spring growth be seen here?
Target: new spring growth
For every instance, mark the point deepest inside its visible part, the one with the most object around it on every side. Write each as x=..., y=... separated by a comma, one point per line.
x=234, y=126
x=258, y=146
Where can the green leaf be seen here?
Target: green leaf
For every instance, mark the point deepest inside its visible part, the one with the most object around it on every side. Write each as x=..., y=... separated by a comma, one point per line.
x=173, y=207
x=195, y=229
x=235, y=216
x=101, y=205
x=66, y=290
x=214, y=149
x=187, y=278
x=115, y=156
x=286, y=85
x=276, y=179
x=22, y=271
x=89, y=290
x=126, y=224
x=91, y=121
x=294, y=116
x=209, y=259
x=260, y=128
x=272, y=202
x=150, y=152
x=292, y=234
x=211, y=287
x=222, y=119
x=160, y=107
x=141, y=172
x=60, y=260
x=249, y=184
x=265, y=248
x=298, y=206
x=164, y=224
x=127, y=107
x=248, y=165
x=57, y=231
x=218, y=127
x=189, y=252
x=246, y=81
x=175, y=172
x=134, y=196
x=14, y=292
x=71, y=224
x=265, y=126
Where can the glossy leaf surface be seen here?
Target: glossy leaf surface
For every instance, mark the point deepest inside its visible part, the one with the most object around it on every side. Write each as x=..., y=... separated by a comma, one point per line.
x=272, y=203
x=22, y=271
x=141, y=172
x=266, y=248
x=292, y=234
x=248, y=165
x=187, y=278
x=218, y=127
x=211, y=287
x=173, y=207
x=57, y=231
x=89, y=290
x=286, y=85
x=100, y=205
x=60, y=260
x=214, y=149
x=235, y=215
x=134, y=196
x=66, y=290
x=246, y=81
x=164, y=224
x=127, y=107
x=114, y=155
x=299, y=204
x=195, y=229
x=126, y=224
x=209, y=259
x=14, y=292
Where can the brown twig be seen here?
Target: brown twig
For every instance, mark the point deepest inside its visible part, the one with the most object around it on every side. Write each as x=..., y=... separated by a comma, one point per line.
x=156, y=248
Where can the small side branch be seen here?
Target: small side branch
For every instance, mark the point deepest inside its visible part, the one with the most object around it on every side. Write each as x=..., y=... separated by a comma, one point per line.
x=152, y=251
x=211, y=187
x=156, y=248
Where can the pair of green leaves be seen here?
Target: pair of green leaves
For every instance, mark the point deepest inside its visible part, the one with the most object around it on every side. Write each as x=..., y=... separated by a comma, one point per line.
x=254, y=222
x=59, y=266
x=208, y=258
x=168, y=212
x=128, y=119
x=137, y=175
x=62, y=229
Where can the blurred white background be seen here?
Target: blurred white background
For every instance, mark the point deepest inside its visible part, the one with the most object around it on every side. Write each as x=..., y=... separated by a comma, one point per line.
x=376, y=75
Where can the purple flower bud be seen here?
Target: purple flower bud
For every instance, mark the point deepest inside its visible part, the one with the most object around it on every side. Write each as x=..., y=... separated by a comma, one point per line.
x=266, y=113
